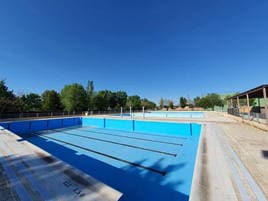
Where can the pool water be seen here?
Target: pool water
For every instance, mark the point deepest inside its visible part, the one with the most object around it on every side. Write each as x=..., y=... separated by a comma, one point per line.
x=145, y=160
x=167, y=114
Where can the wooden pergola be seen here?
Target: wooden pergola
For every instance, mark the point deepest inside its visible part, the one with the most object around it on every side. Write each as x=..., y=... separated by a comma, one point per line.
x=258, y=93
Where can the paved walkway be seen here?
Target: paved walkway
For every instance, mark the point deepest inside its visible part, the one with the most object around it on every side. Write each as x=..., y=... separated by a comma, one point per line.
x=232, y=163
x=251, y=145
x=29, y=173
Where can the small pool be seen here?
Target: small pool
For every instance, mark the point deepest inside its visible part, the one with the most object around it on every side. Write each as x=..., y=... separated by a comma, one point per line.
x=161, y=114
x=145, y=160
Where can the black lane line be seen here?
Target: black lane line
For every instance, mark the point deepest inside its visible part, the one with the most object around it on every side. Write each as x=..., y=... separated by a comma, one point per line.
x=123, y=144
x=163, y=173
x=137, y=138
x=139, y=133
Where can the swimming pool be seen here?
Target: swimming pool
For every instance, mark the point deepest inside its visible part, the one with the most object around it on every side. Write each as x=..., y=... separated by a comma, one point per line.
x=161, y=114
x=145, y=160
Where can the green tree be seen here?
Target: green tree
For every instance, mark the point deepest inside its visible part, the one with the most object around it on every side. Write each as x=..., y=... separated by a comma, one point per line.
x=106, y=99
x=210, y=100
x=112, y=100
x=8, y=101
x=103, y=100
x=134, y=102
x=183, y=102
x=147, y=104
x=161, y=103
x=90, y=94
x=196, y=101
x=170, y=104
x=74, y=97
x=121, y=98
x=51, y=101
x=31, y=102
x=4, y=92
x=117, y=99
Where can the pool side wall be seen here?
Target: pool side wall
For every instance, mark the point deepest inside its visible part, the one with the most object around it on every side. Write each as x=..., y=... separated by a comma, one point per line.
x=29, y=126
x=167, y=128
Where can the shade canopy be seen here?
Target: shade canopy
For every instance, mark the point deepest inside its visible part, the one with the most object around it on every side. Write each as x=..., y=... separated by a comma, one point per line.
x=252, y=93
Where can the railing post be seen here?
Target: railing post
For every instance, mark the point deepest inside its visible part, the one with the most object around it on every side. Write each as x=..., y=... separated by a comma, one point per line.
x=248, y=107
x=238, y=102
x=265, y=103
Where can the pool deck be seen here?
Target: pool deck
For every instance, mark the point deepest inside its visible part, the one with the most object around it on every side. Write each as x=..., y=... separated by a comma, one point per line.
x=232, y=164
x=29, y=173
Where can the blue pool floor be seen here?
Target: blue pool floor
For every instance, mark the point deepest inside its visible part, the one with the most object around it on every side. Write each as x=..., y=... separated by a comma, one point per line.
x=140, y=165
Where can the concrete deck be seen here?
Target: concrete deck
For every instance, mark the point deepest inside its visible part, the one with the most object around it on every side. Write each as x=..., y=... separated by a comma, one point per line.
x=29, y=173
x=232, y=164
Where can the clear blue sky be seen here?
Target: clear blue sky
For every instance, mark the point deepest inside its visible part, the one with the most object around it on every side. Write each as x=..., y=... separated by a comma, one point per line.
x=147, y=47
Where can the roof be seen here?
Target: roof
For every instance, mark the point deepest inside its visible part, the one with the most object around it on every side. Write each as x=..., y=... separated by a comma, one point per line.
x=256, y=92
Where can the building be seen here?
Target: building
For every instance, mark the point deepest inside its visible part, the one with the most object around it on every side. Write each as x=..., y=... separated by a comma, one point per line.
x=251, y=104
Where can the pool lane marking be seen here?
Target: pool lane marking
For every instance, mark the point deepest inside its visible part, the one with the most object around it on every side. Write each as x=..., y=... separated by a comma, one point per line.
x=163, y=173
x=137, y=138
x=139, y=133
x=123, y=144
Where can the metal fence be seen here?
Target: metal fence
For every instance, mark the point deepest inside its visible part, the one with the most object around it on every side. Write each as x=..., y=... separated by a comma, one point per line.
x=36, y=115
x=33, y=115
x=252, y=116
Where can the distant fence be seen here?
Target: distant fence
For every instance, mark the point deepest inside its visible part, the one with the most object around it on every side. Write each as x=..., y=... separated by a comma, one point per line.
x=252, y=116
x=33, y=115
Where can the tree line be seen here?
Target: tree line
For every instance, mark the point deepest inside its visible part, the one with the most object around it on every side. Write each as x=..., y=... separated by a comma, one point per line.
x=73, y=97
x=207, y=102
x=76, y=98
